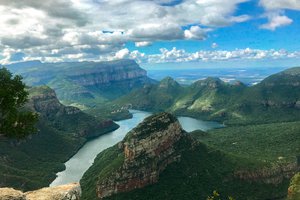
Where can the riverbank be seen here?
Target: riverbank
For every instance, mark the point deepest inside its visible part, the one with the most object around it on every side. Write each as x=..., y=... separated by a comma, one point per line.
x=84, y=158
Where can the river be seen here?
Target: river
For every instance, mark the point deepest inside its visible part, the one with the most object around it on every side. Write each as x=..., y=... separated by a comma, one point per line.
x=83, y=159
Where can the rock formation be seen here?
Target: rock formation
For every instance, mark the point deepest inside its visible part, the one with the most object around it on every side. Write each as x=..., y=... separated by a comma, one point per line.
x=63, y=192
x=86, y=82
x=294, y=189
x=274, y=175
x=148, y=150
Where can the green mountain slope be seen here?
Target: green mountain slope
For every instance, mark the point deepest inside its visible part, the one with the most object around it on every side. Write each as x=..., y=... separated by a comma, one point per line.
x=197, y=171
x=32, y=163
x=275, y=99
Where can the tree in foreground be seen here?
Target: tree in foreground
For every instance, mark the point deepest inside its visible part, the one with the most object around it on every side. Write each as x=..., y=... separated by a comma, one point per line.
x=15, y=121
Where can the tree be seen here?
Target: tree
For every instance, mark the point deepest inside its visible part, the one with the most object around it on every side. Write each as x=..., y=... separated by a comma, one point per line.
x=216, y=196
x=15, y=121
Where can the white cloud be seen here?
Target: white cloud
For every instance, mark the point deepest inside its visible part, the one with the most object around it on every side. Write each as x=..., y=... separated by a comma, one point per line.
x=275, y=12
x=143, y=44
x=36, y=28
x=123, y=53
x=196, y=33
x=180, y=55
x=214, y=45
x=276, y=20
x=280, y=4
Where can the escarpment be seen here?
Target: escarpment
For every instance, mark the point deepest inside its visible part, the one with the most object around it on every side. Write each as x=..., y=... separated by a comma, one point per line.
x=33, y=162
x=44, y=101
x=140, y=158
x=147, y=149
x=272, y=175
x=86, y=83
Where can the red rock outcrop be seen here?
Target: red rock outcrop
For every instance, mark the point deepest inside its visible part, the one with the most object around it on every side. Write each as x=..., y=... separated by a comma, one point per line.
x=148, y=150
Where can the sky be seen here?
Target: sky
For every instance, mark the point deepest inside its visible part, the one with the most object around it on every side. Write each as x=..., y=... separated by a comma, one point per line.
x=155, y=33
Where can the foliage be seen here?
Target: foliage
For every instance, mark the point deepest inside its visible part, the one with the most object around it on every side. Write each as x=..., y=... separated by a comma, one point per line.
x=216, y=196
x=33, y=162
x=14, y=122
x=275, y=99
x=201, y=170
x=282, y=140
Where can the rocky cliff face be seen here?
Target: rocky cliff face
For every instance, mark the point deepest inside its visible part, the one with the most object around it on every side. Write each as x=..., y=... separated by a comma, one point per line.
x=87, y=83
x=294, y=189
x=274, y=175
x=44, y=101
x=148, y=150
x=107, y=72
x=64, y=192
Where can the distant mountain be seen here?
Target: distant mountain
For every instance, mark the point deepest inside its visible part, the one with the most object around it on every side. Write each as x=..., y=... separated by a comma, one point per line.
x=158, y=160
x=87, y=83
x=277, y=98
x=32, y=163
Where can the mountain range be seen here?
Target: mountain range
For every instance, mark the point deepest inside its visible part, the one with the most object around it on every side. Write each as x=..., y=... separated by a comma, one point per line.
x=158, y=156
x=276, y=98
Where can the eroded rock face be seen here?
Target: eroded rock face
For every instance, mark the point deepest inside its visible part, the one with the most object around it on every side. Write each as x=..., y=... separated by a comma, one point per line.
x=64, y=192
x=274, y=175
x=294, y=189
x=11, y=194
x=148, y=150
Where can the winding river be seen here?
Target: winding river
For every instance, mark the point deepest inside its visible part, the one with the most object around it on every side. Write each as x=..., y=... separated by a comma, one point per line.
x=83, y=159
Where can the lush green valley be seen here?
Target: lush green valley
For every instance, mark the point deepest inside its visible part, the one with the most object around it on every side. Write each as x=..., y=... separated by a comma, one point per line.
x=33, y=162
x=201, y=170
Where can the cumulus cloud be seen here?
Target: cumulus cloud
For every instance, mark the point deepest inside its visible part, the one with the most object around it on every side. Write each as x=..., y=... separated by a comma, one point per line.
x=275, y=12
x=96, y=29
x=180, y=55
x=276, y=20
x=195, y=32
x=143, y=44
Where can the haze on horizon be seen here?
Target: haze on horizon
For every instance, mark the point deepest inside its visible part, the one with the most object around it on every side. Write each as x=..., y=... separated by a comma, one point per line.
x=155, y=33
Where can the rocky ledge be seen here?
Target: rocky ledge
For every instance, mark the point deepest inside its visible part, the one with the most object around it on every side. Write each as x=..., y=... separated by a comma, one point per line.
x=294, y=189
x=148, y=149
x=64, y=192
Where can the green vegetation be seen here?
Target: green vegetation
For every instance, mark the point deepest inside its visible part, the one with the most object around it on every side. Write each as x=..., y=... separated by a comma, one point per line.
x=276, y=143
x=89, y=86
x=216, y=196
x=105, y=163
x=276, y=99
x=33, y=162
x=14, y=122
x=201, y=171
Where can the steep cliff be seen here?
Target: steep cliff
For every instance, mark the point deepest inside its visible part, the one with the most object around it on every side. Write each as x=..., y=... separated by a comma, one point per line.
x=148, y=150
x=294, y=189
x=63, y=192
x=141, y=157
x=86, y=83
x=158, y=160
x=33, y=162
x=44, y=101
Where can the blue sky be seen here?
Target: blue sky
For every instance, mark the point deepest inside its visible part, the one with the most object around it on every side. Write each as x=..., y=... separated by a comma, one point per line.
x=156, y=33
